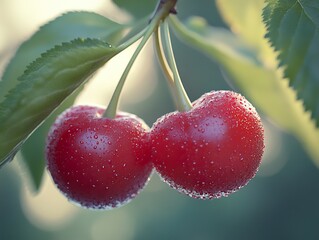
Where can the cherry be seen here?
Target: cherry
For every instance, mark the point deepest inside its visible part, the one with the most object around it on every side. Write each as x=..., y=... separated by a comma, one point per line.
x=98, y=162
x=211, y=150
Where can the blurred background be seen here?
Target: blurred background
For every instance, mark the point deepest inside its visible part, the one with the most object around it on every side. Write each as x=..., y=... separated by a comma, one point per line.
x=281, y=202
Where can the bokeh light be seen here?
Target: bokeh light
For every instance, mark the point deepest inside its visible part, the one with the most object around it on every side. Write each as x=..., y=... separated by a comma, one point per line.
x=49, y=209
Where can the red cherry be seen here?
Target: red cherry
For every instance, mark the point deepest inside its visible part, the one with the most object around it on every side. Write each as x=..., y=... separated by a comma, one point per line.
x=98, y=162
x=212, y=150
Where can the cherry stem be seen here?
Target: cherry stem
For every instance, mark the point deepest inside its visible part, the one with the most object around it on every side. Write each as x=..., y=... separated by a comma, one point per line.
x=161, y=58
x=111, y=110
x=164, y=64
x=183, y=103
x=164, y=8
x=132, y=40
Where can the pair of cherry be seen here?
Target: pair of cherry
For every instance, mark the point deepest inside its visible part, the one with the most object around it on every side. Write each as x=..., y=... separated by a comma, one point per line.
x=207, y=152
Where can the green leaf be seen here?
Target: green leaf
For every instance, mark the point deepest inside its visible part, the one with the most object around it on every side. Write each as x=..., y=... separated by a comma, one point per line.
x=62, y=29
x=293, y=29
x=137, y=8
x=311, y=8
x=44, y=85
x=65, y=28
x=257, y=77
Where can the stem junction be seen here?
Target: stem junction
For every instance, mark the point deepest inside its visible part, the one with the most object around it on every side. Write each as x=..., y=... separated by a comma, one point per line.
x=163, y=9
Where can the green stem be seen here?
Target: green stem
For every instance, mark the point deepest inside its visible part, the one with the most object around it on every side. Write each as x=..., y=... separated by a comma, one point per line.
x=184, y=33
x=164, y=65
x=161, y=58
x=132, y=40
x=110, y=112
x=183, y=102
x=162, y=11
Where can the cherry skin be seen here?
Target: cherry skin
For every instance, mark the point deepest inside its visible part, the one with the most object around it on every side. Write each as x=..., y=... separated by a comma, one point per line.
x=212, y=150
x=97, y=162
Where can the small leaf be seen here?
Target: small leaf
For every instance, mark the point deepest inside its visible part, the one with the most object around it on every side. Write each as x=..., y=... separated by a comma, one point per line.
x=293, y=29
x=34, y=162
x=33, y=150
x=137, y=8
x=256, y=78
x=65, y=28
x=44, y=85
